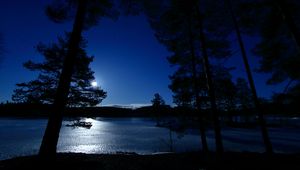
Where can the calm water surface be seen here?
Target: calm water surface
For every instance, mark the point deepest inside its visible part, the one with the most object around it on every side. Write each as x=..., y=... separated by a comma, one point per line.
x=107, y=135
x=20, y=137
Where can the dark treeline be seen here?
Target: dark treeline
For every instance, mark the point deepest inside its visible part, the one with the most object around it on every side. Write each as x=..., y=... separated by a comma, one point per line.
x=44, y=110
x=24, y=110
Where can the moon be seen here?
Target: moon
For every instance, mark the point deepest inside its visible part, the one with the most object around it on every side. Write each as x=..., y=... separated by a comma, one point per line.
x=94, y=83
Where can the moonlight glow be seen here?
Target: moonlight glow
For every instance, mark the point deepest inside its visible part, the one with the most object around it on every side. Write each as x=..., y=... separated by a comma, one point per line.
x=94, y=83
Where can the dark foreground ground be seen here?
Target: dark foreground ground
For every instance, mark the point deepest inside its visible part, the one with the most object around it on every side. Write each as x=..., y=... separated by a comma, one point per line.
x=183, y=161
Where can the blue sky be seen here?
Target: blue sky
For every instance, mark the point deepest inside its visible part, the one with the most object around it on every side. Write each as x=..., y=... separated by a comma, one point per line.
x=129, y=62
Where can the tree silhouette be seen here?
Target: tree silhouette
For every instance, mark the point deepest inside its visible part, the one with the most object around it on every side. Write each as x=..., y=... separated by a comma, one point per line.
x=277, y=49
x=225, y=88
x=180, y=26
x=182, y=88
x=87, y=15
x=275, y=22
x=262, y=122
x=174, y=31
x=210, y=85
x=157, y=101
x=42, y=90
x=243, y=94
x=244, y=98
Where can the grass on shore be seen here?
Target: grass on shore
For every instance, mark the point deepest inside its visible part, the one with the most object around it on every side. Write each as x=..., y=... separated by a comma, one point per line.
x=176, y=161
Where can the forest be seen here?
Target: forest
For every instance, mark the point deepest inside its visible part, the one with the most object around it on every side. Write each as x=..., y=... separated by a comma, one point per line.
x=201, y=35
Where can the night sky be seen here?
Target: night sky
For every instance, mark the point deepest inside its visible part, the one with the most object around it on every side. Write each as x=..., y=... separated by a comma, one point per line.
x=129, y=62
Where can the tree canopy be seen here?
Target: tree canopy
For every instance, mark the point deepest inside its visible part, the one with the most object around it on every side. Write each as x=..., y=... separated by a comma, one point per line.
x=43, y=89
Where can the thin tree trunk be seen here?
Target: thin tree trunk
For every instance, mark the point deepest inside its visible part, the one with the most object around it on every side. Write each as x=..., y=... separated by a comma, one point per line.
x=197, y=91
x=210, y=86
x=50, y=139
x=262, y=121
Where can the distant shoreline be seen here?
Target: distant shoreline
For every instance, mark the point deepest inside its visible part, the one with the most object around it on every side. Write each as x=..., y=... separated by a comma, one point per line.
x=44, y=110
x=41, y=110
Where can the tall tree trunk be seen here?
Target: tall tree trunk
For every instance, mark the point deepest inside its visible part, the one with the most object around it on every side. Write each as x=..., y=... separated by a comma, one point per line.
x=210, y=85
x=50, y=139
x=262, y=121
x=197, y=91
x=288, y=19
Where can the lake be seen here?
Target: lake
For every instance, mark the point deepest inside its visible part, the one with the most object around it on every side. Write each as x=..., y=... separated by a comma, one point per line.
x=21, y=137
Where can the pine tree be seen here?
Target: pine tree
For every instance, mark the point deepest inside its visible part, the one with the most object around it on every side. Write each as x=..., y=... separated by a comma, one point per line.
x=182, y=88
x=157, y=101
x=42, y=90
x=237, y=30
x=278, y=49
x=192, y=36
x=225, y=88
x=86, y=14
